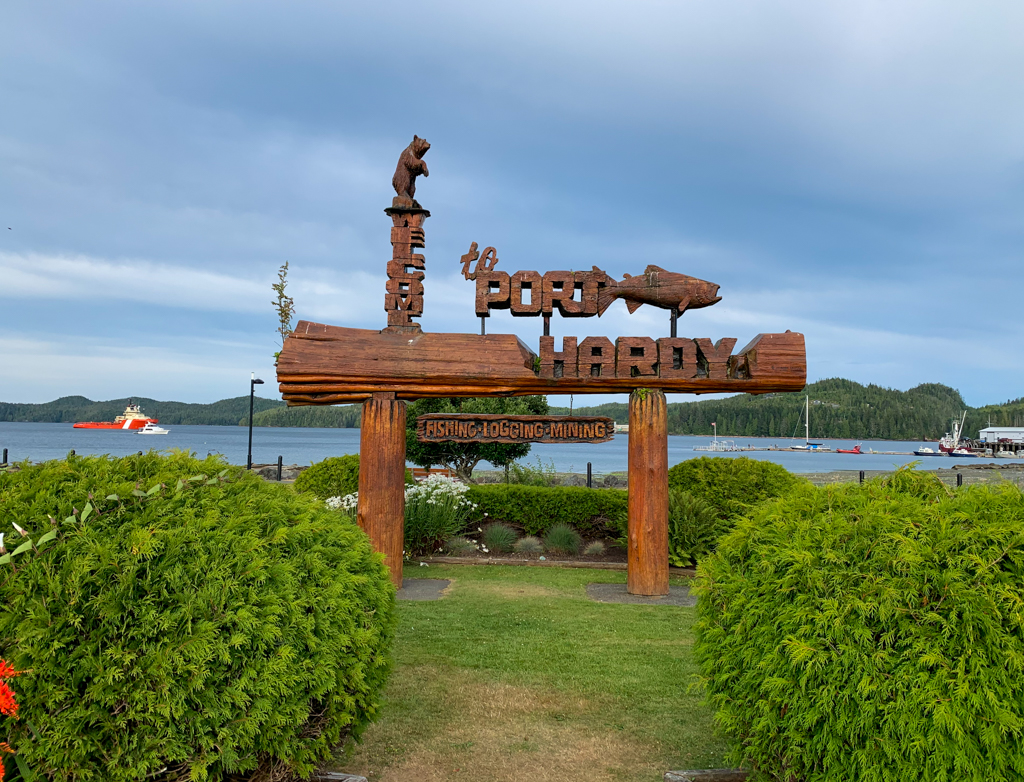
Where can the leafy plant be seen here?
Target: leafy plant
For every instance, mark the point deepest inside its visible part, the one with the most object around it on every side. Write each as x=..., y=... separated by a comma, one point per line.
x=499, y=538
x=594, y=549
x=535, y=508
x=284, y=305
x=523, y=474
x=528, y=545
x=563, y=540
x=435, y=510
x=189, y=621
x=693, y=528
x=870, y=632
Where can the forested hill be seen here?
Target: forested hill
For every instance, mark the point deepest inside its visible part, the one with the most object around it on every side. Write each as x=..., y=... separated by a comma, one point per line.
x=839, y=409
x=68, y=409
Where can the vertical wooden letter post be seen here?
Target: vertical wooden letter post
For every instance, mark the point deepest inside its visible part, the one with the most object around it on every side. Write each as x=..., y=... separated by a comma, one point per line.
x=381, y=509
x=647, y=554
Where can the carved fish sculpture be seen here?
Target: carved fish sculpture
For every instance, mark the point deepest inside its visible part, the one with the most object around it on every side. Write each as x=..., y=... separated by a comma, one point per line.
x=661, y=288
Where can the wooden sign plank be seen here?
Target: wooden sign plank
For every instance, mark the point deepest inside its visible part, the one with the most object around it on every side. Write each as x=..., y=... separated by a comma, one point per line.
x=484, y=428
x=324, y=365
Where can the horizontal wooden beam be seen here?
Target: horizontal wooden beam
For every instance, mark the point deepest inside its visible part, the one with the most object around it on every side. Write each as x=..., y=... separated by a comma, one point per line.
x=326, y=365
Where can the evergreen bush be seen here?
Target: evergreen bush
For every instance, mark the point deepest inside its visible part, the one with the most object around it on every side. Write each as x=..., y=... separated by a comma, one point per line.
x=731, y=485
x=871, y=633
x=693, y=528
x=178, y=619
x=535, y=508
x=336, y=476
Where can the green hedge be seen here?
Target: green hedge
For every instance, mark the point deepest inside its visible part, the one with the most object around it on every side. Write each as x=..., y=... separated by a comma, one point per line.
x=870, y=633
x=536, y=508
x=731, y=485
x=183, y=615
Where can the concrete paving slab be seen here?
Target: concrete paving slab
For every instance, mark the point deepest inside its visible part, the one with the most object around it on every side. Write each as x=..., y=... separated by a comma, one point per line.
x=423, y=588
x=616, y=593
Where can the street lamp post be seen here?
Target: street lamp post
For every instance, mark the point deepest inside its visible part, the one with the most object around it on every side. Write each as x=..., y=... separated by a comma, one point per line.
x=253, y=382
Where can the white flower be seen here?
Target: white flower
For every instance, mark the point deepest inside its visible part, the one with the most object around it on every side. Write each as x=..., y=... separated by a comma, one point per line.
x=2, y=549
x=19, y=529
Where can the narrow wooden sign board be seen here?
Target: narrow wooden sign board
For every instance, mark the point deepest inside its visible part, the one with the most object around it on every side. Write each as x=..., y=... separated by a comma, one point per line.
x=326, y=365
x=473, y=428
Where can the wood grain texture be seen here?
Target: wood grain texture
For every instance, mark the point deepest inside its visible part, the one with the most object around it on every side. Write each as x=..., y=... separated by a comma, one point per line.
x=647, y=503
x=381, y=506
x=488, y=428
x=330, y=365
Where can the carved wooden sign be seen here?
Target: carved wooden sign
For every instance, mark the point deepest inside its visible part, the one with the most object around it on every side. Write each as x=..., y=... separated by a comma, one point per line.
x=579, y=294
x=474, y=428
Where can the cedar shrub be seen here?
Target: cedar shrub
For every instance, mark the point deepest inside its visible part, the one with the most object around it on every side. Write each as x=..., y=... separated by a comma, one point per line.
x=871, y=633
x=536, y=508
x=187, y=621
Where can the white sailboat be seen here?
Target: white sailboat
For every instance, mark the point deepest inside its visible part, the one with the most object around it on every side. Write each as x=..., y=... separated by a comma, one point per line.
x=808, y=445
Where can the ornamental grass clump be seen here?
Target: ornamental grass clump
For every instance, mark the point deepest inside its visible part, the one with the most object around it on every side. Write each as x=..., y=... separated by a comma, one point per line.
x=870, y=633
x=562, y=540
x=499, y=538
x=436, y=509
x=459, y=546
x=528, y=545
x=177, y=619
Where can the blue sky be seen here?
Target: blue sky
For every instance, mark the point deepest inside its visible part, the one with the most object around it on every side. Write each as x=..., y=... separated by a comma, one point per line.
x=852, y=171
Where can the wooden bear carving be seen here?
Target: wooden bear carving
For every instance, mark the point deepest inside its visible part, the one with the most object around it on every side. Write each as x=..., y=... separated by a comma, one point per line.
x=410, y=165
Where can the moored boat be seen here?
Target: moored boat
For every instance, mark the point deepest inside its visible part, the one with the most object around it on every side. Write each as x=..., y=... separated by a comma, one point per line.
x=926, y=451
x=153, y=429
x=855, y=449
x=132, y=418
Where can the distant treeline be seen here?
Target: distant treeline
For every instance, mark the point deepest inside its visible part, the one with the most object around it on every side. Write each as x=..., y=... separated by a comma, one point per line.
x=340, y=417
x=69, y=409
x=839, y=409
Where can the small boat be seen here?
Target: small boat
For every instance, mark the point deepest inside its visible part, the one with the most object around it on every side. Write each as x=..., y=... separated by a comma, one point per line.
x=152, y=428
x=963, y=452
x=132, y=418
x=926, y=451
x=855, y=449
x=808, y=445
x=716, y=445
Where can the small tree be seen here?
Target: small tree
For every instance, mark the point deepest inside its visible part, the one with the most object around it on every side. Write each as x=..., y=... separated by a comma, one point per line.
x=462, y=458
x=285, y=306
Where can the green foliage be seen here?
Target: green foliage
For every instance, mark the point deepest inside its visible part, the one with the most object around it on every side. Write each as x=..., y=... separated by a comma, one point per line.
x=528, y=545
x=871, y=633
x=435, y=510
x=535, y=508
x=463, y=457
x=731, y=485
x=284, y=304
x=312, y=416
x=529, y=475
x=499, y=538
x=693, y=528
x=188, y=617
x=563, y=540
x=335, y=476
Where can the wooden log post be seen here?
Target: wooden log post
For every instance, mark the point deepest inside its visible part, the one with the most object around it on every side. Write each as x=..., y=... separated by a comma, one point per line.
x=381, y=508
x=647, y=508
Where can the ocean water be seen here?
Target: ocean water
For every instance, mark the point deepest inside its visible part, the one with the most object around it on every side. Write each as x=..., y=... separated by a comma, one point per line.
x=39, y=442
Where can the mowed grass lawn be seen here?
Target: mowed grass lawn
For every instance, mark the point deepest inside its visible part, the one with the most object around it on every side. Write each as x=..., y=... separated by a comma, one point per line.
x=517, y=675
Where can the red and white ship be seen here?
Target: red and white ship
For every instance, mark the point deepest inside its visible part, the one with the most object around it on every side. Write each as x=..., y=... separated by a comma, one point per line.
x=951, y=441
x=131, y=419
